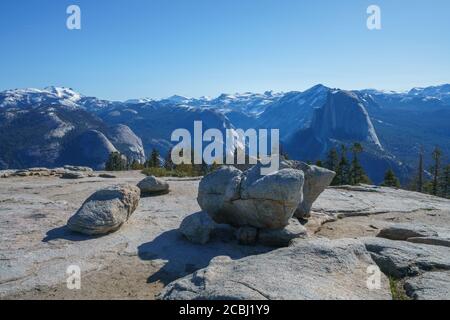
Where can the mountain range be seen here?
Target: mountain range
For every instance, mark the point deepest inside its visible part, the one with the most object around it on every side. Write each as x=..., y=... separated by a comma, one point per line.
x=57, y=126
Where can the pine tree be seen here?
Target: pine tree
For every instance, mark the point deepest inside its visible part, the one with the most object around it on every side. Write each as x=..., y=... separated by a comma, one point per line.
x=444, y=186
x=168, y=163
x=115, y=162
x=214, y=166
x=390, y=180
x=343, y=170
x=135, y=165
x=420, y=173
x=332, y=161
x=283, y=154
x=357, y=174
x=319, y=163
x=435, y=169
x=154, y=161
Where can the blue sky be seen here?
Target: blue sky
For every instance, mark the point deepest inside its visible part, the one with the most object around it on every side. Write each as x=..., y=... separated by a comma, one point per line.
x=156, y=48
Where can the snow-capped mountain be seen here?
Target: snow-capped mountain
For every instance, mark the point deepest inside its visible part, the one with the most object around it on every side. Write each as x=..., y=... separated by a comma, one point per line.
x=398, y=123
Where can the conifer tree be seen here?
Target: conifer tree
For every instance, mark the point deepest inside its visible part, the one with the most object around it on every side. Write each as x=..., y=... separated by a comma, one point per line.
x=435, y=169
x=332, y=161
x=343, y=170
x=445, y=182
x=420, y=173
x=154, y=161
x=390, y=180
x=168, y=163
x=357, y=173
x=115, y=162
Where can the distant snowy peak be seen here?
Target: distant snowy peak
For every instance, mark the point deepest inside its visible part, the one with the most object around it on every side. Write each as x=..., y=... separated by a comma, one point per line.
x=64, y=93
x=138, y=101
x=31, y=97
x=441, y=92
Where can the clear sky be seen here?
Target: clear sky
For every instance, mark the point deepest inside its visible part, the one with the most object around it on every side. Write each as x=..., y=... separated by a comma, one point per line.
x=156, y=48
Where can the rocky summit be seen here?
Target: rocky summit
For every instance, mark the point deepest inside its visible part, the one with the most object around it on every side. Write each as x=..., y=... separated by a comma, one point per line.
x=166, y=247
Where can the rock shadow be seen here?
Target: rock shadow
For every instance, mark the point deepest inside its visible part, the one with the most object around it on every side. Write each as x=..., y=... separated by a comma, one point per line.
x=183, y=257
x=65, y=233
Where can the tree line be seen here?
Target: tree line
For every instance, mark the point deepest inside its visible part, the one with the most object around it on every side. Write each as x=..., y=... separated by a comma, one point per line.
x=435, y=180
x=157, y=166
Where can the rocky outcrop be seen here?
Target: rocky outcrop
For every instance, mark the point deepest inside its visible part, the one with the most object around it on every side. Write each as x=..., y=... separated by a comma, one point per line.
x=317, y=179
x=78, y=168
x=153, y=186
x=250, y=199
x=106, y=210
x=344, y=117
x=282, y=237
x=68, y=172
x=92, y=148
x=126, y=141
x=406, y=231
x=308, y=270
x=429, y=286
x=343, y=120
x=401, y=259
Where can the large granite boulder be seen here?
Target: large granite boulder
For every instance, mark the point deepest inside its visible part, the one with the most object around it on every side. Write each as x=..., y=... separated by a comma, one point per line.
x=251, y=199
x=153, y=186
x=317, y=179
x=308, y=270
x=106, y=210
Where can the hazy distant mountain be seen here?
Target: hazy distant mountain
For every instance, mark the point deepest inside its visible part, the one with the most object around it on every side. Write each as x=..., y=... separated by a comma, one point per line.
x=154, y=122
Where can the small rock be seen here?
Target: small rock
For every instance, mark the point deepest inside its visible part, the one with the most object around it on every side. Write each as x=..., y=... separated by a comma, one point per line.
x=403, y=231
x=153, y=186
x=73, y=175
x=22, y=173
x=106, y=210
x=78, y=168
x=197, y=227
x=282, y=237
x=247, y=235
x=107, y=176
